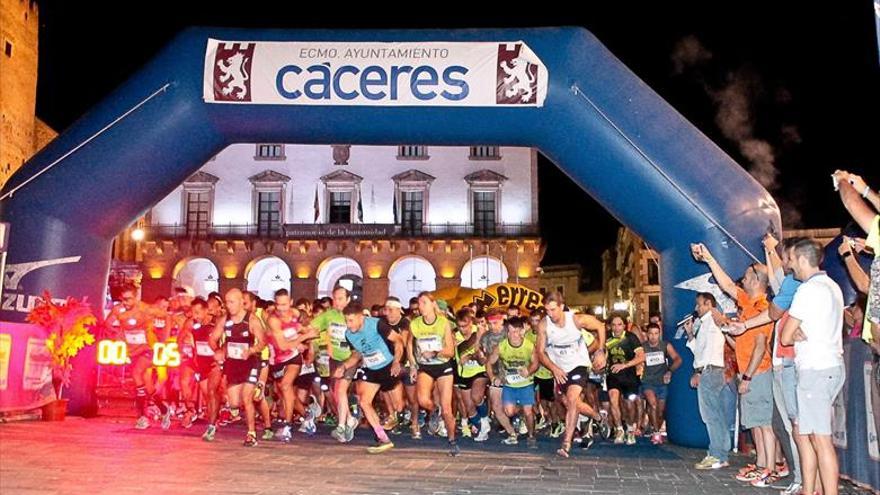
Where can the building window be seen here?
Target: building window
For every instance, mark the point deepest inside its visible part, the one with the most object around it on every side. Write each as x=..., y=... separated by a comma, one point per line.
x=412, y=211
x=412, y=152
x=485, y=153
x=198, y=210
x=342, y=195
x=653, y=305
x=269, y=152
x=268, y=202
x=484, y=213
x=653, y=272
x=198, y=203
x=8, y=49
x=268, y=213
x=485, y=200
x=340, y=207
x=411, y=197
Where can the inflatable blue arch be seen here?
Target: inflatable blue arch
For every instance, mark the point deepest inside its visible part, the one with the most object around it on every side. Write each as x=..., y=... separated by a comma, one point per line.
x=605, y=128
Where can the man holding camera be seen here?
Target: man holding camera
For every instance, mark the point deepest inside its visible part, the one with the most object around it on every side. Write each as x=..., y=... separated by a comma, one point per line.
x=706, y=341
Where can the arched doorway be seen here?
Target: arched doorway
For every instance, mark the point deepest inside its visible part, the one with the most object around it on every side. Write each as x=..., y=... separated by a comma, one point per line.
x=410, y=275
x=266, y=275
x=199, y=274
x=482, y=272
x=341, y=271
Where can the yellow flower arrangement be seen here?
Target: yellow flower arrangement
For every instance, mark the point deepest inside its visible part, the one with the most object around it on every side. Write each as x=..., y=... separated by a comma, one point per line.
x=68, y=323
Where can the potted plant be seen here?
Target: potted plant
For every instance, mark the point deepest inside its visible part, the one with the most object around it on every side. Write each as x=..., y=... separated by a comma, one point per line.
x=67, y=322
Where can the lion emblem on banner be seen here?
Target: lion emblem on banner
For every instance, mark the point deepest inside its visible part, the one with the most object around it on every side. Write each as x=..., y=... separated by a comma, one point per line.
x=519, y=80
x=234, y=77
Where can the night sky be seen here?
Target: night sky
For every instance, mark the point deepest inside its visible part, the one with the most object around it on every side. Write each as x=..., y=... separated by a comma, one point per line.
x=791, y=91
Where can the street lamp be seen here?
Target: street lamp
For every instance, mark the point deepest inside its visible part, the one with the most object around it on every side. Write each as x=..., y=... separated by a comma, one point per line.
x=138, y=234
x=621, y=306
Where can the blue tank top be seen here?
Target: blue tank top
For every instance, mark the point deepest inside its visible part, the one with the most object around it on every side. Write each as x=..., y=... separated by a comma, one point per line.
x=371, y=344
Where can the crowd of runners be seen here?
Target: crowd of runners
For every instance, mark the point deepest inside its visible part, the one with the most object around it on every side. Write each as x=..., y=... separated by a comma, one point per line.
x=414, y=368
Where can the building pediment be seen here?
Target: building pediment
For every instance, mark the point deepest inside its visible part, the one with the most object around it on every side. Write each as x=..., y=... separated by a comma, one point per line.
x=485, y=176
x=269, y=176
x=342, y=176
x=413, y=175
x=202, y=178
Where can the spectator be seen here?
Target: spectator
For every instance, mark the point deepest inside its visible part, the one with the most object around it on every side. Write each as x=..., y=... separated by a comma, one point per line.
x=814, y=326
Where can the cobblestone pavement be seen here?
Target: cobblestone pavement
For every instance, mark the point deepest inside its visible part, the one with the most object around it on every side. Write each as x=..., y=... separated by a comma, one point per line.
x=107, y=455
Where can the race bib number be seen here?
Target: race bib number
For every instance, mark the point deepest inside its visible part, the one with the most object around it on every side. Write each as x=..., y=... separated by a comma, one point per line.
x=374, y=360
x=471, y=363
x=323, y=360
x=135, y=337
x=306, y=369
x=337, y=332
x=514, y=378
x=564, y=351
x=290, y=333
x=431, y=344
x=204, y=349
x=236, y=350
x=186, y=350
x=159, y=323
x=655, y=358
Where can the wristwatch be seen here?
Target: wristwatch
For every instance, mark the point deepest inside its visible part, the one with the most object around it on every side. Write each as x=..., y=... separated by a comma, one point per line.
x=746, y=378
x=846, y=254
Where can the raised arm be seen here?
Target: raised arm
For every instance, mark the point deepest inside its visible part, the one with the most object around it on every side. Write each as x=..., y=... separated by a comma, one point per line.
x=858, y=208
x=701, y=252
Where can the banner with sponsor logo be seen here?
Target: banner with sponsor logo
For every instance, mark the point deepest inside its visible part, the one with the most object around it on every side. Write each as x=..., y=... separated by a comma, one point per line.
x=374, y=74
x=494, y=296
x=25, y=367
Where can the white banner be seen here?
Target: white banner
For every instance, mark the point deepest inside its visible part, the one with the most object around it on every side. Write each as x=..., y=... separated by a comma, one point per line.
x=374, y=74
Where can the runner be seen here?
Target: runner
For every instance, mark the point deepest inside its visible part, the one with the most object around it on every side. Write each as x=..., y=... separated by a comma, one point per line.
x=545, y=391
x=290, y=341
x=489, y=341
x=397, y=402
x=244, y=342
x=471, y=379
x=432, y=346
x=332, y=322
x=661, y=360
x=135, y=321
x=562, y=349
x=625, y=353
x=253, y=304
x=518, y=363
x=198, y=366
x=379, y=349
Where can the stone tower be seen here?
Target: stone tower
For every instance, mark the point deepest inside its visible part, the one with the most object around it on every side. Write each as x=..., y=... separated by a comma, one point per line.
x=21, y=133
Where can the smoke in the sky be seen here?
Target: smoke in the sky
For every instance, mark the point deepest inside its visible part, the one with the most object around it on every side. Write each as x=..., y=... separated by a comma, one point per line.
x=735, y=98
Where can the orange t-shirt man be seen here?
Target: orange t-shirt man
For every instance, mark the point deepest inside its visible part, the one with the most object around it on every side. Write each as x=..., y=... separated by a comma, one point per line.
x=745, y=343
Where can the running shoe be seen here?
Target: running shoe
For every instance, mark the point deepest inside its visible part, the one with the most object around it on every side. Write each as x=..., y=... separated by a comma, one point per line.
x=250, y=440
x=142, y=423
x=380, y=447
x=210, y=433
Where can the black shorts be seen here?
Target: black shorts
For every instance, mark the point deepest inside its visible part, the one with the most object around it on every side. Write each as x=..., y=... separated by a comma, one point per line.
x=546, y=389
x=436, y=371
x=578, y=376
x=240, y=371
x=381, y=377
x=627, y=385
x=306, y=381
x=279, y=369
x=468, y=383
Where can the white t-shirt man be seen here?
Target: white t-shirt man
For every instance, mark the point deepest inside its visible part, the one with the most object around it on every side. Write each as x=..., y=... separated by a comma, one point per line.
x=818, y=304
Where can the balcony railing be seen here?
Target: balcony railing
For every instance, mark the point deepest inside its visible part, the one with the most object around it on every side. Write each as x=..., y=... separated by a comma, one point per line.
x=338, y=231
